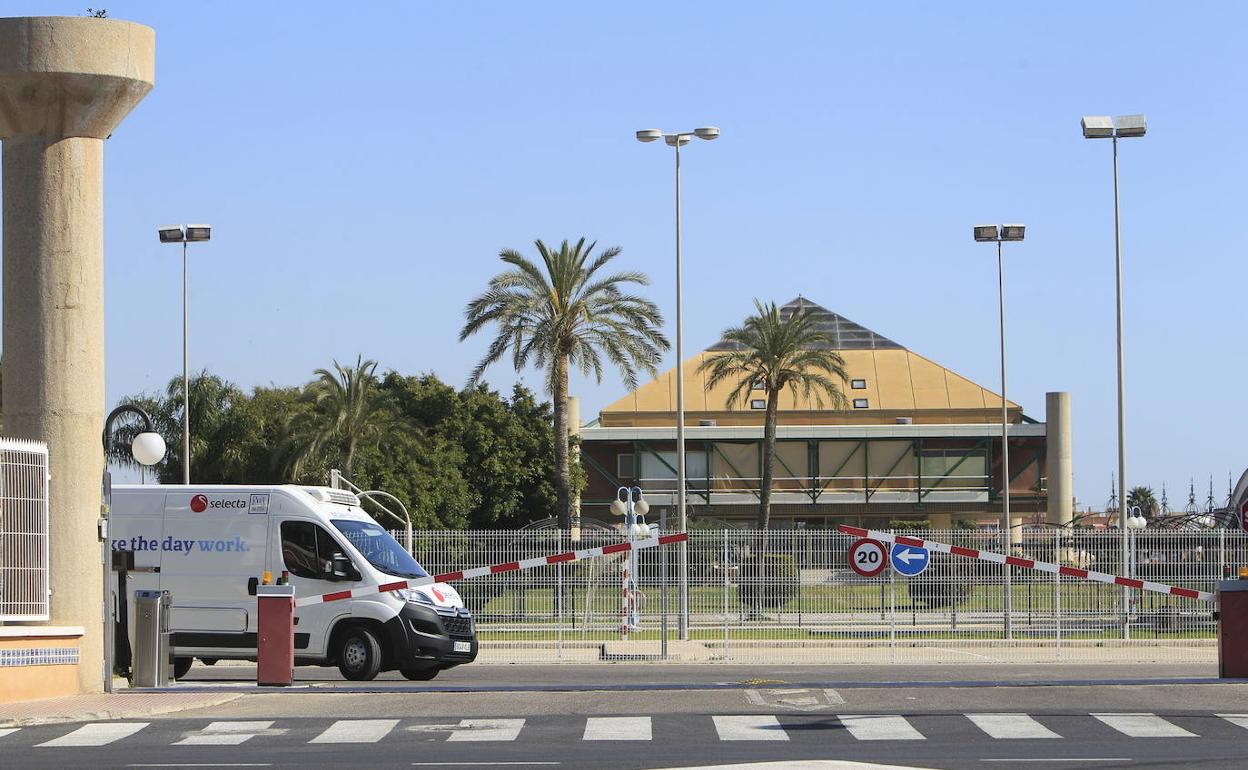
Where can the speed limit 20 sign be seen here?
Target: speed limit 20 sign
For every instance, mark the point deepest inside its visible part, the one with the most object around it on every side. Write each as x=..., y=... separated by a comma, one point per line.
x=868, y=557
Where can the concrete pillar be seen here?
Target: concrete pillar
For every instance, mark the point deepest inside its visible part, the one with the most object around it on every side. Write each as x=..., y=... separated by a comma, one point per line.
x=1058, y=467
x=1016, y=530
x=65, y=84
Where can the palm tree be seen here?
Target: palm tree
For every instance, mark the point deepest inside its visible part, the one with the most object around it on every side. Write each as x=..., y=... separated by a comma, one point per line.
x=775, y=353
x=348, y=410
x=561, y=314
x=1144, y=498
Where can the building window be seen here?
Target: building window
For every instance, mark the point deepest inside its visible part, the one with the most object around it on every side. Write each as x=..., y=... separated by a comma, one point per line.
x=758, y=403
x=860, y=403
x=858, y=384
x=625, y=466
x=757, y=385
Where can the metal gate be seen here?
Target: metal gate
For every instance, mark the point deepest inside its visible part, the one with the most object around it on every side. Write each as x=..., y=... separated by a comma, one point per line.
x=23, y=530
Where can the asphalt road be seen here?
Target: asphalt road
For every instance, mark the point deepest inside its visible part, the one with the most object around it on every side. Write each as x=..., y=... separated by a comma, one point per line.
x=668, y=716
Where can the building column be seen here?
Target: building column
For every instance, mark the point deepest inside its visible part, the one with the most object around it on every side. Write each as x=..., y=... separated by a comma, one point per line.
x=65, y=84
x=940, y=521
x=1059, y=470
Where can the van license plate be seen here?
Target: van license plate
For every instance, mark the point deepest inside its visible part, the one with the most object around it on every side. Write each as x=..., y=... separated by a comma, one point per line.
x=463, y=646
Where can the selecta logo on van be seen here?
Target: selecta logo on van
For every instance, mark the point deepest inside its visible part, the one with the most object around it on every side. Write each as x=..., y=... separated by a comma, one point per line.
x=201, y=503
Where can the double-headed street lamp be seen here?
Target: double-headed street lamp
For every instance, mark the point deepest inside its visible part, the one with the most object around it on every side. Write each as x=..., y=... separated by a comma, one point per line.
x=999, y=235
x=184, y=235
x=678, y=140
x=1122, y=127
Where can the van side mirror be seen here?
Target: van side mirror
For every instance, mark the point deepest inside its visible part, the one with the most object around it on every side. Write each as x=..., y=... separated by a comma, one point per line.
x=340, y=567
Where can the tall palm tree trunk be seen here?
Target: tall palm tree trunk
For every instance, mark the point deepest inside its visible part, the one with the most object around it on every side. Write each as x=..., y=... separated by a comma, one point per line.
x=563, y=477
x=769, y=454
x=347, y=452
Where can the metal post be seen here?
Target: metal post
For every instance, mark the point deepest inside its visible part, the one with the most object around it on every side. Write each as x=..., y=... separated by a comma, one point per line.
x=1122, y=429
x=106, y=558
x=1005, y=452
x=725, y=566
x=186, y=388
x=1057, y=589
x=663, y=587
x=682, y=554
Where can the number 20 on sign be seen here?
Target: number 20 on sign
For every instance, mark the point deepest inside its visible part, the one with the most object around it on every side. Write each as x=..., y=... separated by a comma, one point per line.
x=868, y=557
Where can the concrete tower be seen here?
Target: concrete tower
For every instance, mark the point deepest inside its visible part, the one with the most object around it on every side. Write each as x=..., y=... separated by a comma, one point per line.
x=1059, y=467
x=65, y=84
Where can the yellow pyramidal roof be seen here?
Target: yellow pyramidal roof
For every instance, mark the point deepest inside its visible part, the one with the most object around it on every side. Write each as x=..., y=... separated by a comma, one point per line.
x=895, y=382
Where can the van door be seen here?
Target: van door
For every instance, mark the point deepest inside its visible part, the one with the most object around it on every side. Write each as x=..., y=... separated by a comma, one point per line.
x=211, y=546
x=306, y=551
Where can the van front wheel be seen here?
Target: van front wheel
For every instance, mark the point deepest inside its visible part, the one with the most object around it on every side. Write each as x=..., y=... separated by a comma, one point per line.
x=181, y=666
x=359, y=654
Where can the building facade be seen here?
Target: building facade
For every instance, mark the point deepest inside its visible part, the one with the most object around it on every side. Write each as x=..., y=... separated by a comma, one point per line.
x=918, y=443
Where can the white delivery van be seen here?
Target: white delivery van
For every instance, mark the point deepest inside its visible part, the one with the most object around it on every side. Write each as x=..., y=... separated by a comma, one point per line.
x=209, y=546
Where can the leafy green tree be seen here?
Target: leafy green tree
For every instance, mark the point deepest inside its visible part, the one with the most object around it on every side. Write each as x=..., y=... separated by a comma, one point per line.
x=778, y=354
x=469, y=458
x=563, y=314
x=506, y=446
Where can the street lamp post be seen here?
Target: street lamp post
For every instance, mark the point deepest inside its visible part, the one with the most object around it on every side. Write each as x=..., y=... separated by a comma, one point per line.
x=184, y=235
x=630, y=502
x=677, y=140
x=1125, y=127
x=148, y=448
x=998, y=235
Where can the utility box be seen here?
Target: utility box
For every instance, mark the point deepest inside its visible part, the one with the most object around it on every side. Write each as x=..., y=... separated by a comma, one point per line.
x=1233, y=629
x=153, y=658
x=275, y=640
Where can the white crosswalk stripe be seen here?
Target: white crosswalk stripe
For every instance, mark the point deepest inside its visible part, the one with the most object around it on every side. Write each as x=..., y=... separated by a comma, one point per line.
x=8, y=731
x=617, y=729
x=487, y=730
x=1010, y=726
x=1143, y=726
x=96, y=734
x=225, y=734
x=760, y=727
x=356, y=731
x=1236, y=719
x=880, y=728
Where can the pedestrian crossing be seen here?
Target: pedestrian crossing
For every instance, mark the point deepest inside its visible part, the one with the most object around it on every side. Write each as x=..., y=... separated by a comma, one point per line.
x=739, y=727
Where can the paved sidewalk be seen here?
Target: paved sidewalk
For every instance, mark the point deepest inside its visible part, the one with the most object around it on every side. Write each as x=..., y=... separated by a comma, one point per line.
x=120, y=705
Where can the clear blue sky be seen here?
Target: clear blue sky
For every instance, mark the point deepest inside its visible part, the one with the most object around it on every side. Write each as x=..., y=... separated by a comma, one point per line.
x=362, y=164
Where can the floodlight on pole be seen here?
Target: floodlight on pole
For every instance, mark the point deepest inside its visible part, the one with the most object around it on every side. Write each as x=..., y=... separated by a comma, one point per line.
x=999, y=234
x=185, y=234
x=677, y=140
x=1102, y=127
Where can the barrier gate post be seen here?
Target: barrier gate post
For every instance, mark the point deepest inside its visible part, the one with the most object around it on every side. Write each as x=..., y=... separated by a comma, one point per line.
x=275, y=635
x=1233, y=629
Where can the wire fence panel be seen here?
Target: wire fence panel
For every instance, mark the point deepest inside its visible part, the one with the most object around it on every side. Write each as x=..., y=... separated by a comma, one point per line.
x=789, y=596
x=23, y=530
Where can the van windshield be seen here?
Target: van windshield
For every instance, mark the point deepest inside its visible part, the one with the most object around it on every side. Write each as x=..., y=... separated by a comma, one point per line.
x=381, y=550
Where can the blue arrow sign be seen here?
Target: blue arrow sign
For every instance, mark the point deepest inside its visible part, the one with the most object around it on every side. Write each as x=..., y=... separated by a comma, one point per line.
x=908, y=560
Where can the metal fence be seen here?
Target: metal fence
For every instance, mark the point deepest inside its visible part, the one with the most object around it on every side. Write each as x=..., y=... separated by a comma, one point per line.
x=790, y=596
x=23, y=530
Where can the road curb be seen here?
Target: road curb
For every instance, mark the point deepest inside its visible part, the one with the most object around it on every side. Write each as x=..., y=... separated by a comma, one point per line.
x=60, y=710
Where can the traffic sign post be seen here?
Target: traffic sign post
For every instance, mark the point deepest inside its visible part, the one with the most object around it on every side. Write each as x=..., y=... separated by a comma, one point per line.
x=908, y=560
x=868, y=557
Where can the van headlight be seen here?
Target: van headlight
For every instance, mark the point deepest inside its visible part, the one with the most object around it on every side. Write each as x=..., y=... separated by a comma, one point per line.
x=411, y=595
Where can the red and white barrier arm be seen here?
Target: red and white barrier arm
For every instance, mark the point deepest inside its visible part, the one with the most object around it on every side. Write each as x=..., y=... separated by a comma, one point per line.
x=494, y=569
x=1018, y=561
